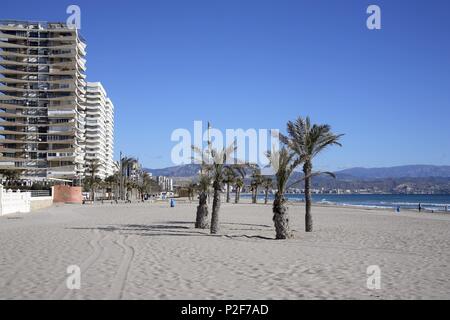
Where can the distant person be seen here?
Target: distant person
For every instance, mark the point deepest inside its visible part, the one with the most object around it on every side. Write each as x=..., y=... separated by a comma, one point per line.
x=398, y=209
x=420, y=207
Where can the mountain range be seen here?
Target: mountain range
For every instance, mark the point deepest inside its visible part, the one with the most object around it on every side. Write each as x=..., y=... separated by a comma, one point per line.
x=409, y=171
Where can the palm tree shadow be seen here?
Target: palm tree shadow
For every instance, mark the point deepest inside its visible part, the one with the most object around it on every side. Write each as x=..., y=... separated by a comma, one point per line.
x=145, y=230
x=169, y=229
x=222, y=223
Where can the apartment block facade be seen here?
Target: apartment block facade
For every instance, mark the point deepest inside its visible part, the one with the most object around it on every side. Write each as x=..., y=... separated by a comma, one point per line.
x=99, y=130
x=42, y=100
x=44, y=106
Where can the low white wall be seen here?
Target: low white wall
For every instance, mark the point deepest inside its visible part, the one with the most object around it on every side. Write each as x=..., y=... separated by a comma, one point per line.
x=13, y=202
x=41, y=203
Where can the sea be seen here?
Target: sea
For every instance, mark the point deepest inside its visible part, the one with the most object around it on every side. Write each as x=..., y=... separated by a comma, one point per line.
x=434, y=202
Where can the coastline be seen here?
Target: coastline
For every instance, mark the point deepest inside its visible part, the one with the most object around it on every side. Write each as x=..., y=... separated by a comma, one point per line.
x=373, y=201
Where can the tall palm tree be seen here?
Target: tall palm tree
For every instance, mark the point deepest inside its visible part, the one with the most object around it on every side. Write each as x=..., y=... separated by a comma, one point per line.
x=229, y=179
x=307, y=141
x=283, y=163
x=216, y=166
x=267, y=184
x=201, y=220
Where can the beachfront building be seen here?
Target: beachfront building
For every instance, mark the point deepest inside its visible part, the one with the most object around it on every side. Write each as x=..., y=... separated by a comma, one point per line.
x=42, y=100
x=165, y=183
x=99, y=130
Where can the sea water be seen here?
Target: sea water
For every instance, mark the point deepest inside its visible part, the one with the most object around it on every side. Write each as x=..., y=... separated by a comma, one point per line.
x=433, y=202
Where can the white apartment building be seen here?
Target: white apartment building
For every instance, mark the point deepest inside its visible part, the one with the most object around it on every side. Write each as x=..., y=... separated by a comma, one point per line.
x=99, y=146
x=42, y=100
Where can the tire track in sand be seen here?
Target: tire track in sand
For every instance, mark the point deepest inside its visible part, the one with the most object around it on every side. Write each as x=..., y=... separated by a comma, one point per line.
x=62, y=292
x=118, y=285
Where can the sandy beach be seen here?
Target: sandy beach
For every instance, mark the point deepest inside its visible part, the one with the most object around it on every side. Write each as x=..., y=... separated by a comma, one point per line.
x=152, y=251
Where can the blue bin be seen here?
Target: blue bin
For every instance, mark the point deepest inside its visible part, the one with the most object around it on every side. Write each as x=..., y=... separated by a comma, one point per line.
x=172, y=203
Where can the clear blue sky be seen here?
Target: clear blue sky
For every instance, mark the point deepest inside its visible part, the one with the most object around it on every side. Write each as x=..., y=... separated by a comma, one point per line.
x=256, y=64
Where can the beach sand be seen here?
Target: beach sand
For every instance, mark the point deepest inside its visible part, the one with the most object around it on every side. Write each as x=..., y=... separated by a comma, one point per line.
x=152, y=251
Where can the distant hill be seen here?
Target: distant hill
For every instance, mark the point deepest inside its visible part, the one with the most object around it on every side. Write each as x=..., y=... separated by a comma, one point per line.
x=414, y=178
x=411, y=171
x=183, y=171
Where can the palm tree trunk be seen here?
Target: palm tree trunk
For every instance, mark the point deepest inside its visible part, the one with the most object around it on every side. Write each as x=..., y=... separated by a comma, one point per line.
x=201, y=221
x=281, y=218
x=307, y=169
x=228, y=193
x=266, y=199
x=215, y=209
x=254, y=194
x=236, y=195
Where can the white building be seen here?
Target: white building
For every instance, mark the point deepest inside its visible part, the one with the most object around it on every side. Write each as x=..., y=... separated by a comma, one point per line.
x=99, y=130
x=110, y=165
x=165, y=183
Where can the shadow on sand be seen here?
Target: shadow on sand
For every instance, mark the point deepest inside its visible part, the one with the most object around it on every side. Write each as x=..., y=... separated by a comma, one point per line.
x=174, y=228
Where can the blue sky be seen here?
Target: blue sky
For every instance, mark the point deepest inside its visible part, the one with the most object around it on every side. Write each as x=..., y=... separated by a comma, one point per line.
x=256, y=64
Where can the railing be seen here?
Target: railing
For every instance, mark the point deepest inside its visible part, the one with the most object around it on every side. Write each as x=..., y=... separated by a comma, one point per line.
x=40, y=193
x=34, y=193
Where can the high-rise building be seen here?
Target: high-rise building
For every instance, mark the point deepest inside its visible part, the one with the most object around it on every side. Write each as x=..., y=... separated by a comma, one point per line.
x=42, y=100
x=99, y=130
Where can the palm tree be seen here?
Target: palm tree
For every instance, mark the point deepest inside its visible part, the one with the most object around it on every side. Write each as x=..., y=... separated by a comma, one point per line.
x=190, y=188
x=267, y=184
x=90, y=184
x=283, y=162
x=129, y=187
x=143, y=185
x=216, y=167
x=257, y=180
x=113, y=182
x=307, y=141
x=238, y=184
x=229, y=178
x=240, y=171
x=201, y=221
x=93, y=181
